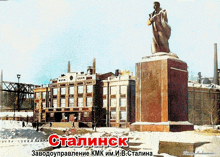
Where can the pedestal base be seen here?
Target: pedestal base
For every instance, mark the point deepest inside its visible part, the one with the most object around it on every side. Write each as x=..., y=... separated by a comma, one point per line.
x=162, y=126
x=161, y=94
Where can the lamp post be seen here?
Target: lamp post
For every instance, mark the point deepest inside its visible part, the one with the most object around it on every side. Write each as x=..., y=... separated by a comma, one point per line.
x=94, y=110
x=17, y=101
x=18, y=76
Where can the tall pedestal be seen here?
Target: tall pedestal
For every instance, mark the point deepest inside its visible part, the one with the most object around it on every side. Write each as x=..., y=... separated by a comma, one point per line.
x=161, y=94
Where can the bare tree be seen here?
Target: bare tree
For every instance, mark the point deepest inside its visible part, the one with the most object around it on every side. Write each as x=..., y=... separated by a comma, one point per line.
x=212, y=109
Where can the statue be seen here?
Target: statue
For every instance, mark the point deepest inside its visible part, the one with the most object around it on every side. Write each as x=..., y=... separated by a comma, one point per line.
x=161, y=29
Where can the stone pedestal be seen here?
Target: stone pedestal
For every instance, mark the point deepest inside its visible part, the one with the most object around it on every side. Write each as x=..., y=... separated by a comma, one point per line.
x=161, y=94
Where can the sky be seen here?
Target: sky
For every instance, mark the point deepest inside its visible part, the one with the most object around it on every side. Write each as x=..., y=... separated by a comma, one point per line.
x=38, y=38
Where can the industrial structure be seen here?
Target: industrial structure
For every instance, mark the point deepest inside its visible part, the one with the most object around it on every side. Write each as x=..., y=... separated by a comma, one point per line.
x=23, y=92
x=204, y=97
x=216, y=74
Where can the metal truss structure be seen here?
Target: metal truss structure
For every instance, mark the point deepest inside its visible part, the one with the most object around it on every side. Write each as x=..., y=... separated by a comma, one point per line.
x=15, y=87
x=23, y=90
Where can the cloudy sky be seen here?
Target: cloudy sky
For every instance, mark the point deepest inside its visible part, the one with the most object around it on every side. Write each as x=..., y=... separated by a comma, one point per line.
x=38, y=38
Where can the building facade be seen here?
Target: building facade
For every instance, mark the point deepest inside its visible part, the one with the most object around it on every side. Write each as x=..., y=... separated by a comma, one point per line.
x=119, y=99
x=72, y=97
x=87, y=98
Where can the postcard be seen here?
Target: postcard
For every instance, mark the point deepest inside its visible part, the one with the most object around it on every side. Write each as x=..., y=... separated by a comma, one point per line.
x=109, y=78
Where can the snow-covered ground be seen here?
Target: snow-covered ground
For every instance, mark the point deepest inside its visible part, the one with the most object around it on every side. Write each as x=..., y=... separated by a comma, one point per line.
x=18, y=141
x=13, y=136
x=13, y=130
x=151, y=140
x=17, y=114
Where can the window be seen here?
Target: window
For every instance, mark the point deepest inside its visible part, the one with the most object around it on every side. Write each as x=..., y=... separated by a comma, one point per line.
x=80, y=89
x=113, y=90
x=71, y=102
x=89, y=101
x=113, y=115
x=54, y=91
x=113, y=103
x=37, y=105
x=123, y=89
x=104, y=103
x=37, y=95
x=89, y=89
x=123, y=102
x=62, y=102
x=63, y=91
x=80, y=102
x=49, y=94
x=44, y=105
x=105, y=91
x=123, y=115
x=79, y=116
x=44, y=95
x=55, y=103
x=71, y=90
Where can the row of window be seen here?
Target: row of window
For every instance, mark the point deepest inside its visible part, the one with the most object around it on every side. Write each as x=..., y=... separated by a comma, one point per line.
x=113, y=102
x=71, y=102
x=43, y=95
x=113, y=90
x=89, y=89
x=123, y=115
x=113, y=115
x=85, y=114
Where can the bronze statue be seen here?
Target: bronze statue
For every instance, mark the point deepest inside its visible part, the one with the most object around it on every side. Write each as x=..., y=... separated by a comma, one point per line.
x=161, y=29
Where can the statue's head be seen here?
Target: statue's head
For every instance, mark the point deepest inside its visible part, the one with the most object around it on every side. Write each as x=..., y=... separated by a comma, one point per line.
x=156, y=5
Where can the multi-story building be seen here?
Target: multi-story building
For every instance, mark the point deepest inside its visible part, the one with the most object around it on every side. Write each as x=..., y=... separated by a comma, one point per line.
x=72, y=97
x=119, y=99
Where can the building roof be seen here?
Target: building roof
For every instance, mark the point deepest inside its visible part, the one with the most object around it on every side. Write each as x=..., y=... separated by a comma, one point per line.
x=208, y=86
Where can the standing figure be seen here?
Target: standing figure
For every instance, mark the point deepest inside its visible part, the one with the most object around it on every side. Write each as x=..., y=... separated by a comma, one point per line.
x=93, y=125
x=37, y=126
x=161, y=29
x=23, y=124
